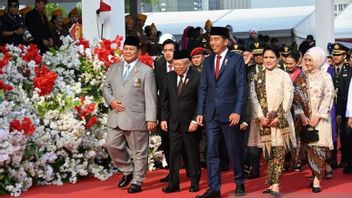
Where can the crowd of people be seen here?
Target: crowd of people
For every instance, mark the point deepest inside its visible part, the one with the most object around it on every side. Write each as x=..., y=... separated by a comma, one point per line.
x=32, y=26
x=220, y=102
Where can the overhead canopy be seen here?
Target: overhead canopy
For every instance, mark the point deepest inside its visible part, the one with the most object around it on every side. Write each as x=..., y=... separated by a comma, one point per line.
x=261, y=19
x=343, y=24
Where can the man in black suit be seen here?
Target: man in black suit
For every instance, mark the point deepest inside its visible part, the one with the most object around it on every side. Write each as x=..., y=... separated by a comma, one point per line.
x=163, y=65
x=343, y=74
x=38, y=25
x=341, y=80
x=178, y=111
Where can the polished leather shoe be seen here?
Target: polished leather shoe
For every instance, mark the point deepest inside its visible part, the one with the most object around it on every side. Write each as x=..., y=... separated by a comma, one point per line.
x=239, y=190
x=194, y=188
x=316, y=189
x=126, y=179
x=165, y=179
x=275, y=194
x=170, y=189
x=267, y=191
x=134, y=188
x=210, y=194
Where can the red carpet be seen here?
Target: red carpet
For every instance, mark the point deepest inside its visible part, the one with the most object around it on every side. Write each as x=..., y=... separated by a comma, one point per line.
x=294, y=185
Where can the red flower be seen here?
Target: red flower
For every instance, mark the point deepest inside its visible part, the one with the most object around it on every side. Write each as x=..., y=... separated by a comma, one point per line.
x=92, y=121
x=83, y=42
x=15, y=125
x=44, y=80
x=108, y=51
x=146, y=59
x=27, y=126
x=5, y=87
x=32, y=54
x=6, y=58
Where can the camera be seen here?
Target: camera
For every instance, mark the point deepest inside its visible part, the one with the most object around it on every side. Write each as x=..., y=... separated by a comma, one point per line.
x=27, y=37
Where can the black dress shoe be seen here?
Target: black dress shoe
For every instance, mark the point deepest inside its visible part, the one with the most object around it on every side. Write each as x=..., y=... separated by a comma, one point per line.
x=253, y=176
x=347, y=170
x=316, y=189
x=210, y=194
x=134, y=188
x=194, y=188
x=328, y=174
x=239, y=190
x=267, y=191
x=170, y=189
x=165, y=179
x=126, y=179
x=275, y=194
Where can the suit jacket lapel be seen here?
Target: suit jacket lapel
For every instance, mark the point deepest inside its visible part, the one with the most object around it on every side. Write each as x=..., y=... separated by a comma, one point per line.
x=212, y=68
x=224, y=64
x=133, y=72
x=187, y=80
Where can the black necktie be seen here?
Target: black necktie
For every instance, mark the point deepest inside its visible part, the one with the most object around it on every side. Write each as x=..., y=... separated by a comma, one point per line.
x=337, y=70
x=180, y=85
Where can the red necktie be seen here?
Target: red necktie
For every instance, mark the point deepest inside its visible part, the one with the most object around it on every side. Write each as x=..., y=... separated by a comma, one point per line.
x=170, y=68
x=217, y=67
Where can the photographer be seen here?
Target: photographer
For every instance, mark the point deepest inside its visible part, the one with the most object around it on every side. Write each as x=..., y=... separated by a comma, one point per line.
x=38, y=26
x=12, y=26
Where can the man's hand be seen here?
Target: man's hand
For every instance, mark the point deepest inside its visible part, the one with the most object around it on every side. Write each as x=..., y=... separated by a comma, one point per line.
x=274, y=123
x=234, y=119
x=117, y=106
x=51, y=42
x=20, y=31
x=248, y=59
x=151, y=126
x=192, y=127
x=199, y=120
x=46, y=42
x=163, y=125
x=349, y=123
x=314, y=121
x=338, y=119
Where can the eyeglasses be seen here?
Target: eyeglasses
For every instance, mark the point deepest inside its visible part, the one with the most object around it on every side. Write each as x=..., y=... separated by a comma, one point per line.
x=337, y=54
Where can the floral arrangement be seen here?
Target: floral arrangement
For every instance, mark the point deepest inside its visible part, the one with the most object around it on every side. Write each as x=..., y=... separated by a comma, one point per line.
x=52, y=114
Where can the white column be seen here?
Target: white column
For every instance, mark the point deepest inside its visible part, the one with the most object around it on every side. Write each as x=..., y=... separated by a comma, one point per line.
x=324, y=23
x=113, y=26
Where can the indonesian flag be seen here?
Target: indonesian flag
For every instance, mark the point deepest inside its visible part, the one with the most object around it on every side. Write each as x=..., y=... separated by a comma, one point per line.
x=105, y=11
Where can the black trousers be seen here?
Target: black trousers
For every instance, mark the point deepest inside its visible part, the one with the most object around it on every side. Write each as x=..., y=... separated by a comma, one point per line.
x=345, y=140
x=190, y=141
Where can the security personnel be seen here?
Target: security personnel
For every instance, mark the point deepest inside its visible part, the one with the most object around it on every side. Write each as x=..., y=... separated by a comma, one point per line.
x=284, y=52
x=343, y=73
x=205, y=38
x=253, y=151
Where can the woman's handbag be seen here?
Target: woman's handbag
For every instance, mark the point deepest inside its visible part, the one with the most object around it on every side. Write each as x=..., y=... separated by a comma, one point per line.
x=309, y=134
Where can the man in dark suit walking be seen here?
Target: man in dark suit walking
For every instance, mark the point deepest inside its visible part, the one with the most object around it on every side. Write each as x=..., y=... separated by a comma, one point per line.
x=178, y=113
x=221, y=99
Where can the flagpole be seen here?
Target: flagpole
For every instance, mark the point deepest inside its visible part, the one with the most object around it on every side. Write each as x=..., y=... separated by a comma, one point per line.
x=102, y=31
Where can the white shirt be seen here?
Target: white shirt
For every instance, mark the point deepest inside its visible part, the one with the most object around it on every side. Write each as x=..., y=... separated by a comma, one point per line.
x=183, y=78
x=132, y=64
x=349, y=101
x=168, y=68
x=223, y=54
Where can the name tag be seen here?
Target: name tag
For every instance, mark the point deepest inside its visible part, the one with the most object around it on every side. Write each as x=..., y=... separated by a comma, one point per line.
x=344, y=75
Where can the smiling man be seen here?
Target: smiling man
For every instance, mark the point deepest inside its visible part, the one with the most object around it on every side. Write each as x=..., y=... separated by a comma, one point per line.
x=221, y=100
x=129, y=91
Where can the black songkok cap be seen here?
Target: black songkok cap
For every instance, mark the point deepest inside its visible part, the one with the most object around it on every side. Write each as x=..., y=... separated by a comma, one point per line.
x=132, y=40
x=181, y=54
x=13, y=3
x=220, y=31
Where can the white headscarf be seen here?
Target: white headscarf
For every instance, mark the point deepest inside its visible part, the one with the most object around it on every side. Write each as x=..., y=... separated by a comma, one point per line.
x=319, y=58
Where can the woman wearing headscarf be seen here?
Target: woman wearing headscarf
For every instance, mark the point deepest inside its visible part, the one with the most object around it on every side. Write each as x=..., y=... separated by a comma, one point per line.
x=319, y=89
x=271, y=103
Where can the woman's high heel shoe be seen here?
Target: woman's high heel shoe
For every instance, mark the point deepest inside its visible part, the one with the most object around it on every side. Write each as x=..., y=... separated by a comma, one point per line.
x=316, y=189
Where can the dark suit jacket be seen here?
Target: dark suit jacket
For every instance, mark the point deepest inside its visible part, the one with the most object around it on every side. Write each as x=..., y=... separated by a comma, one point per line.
x=344, y=79
x=180, y=110
x=37, y=28
x=226, y=95
x=160, y=76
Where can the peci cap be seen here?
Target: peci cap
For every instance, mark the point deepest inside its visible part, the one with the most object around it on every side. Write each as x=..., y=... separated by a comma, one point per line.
x=132, y=40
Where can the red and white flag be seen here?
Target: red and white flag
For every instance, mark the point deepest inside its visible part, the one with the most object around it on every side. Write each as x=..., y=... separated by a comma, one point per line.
x=104, y=11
